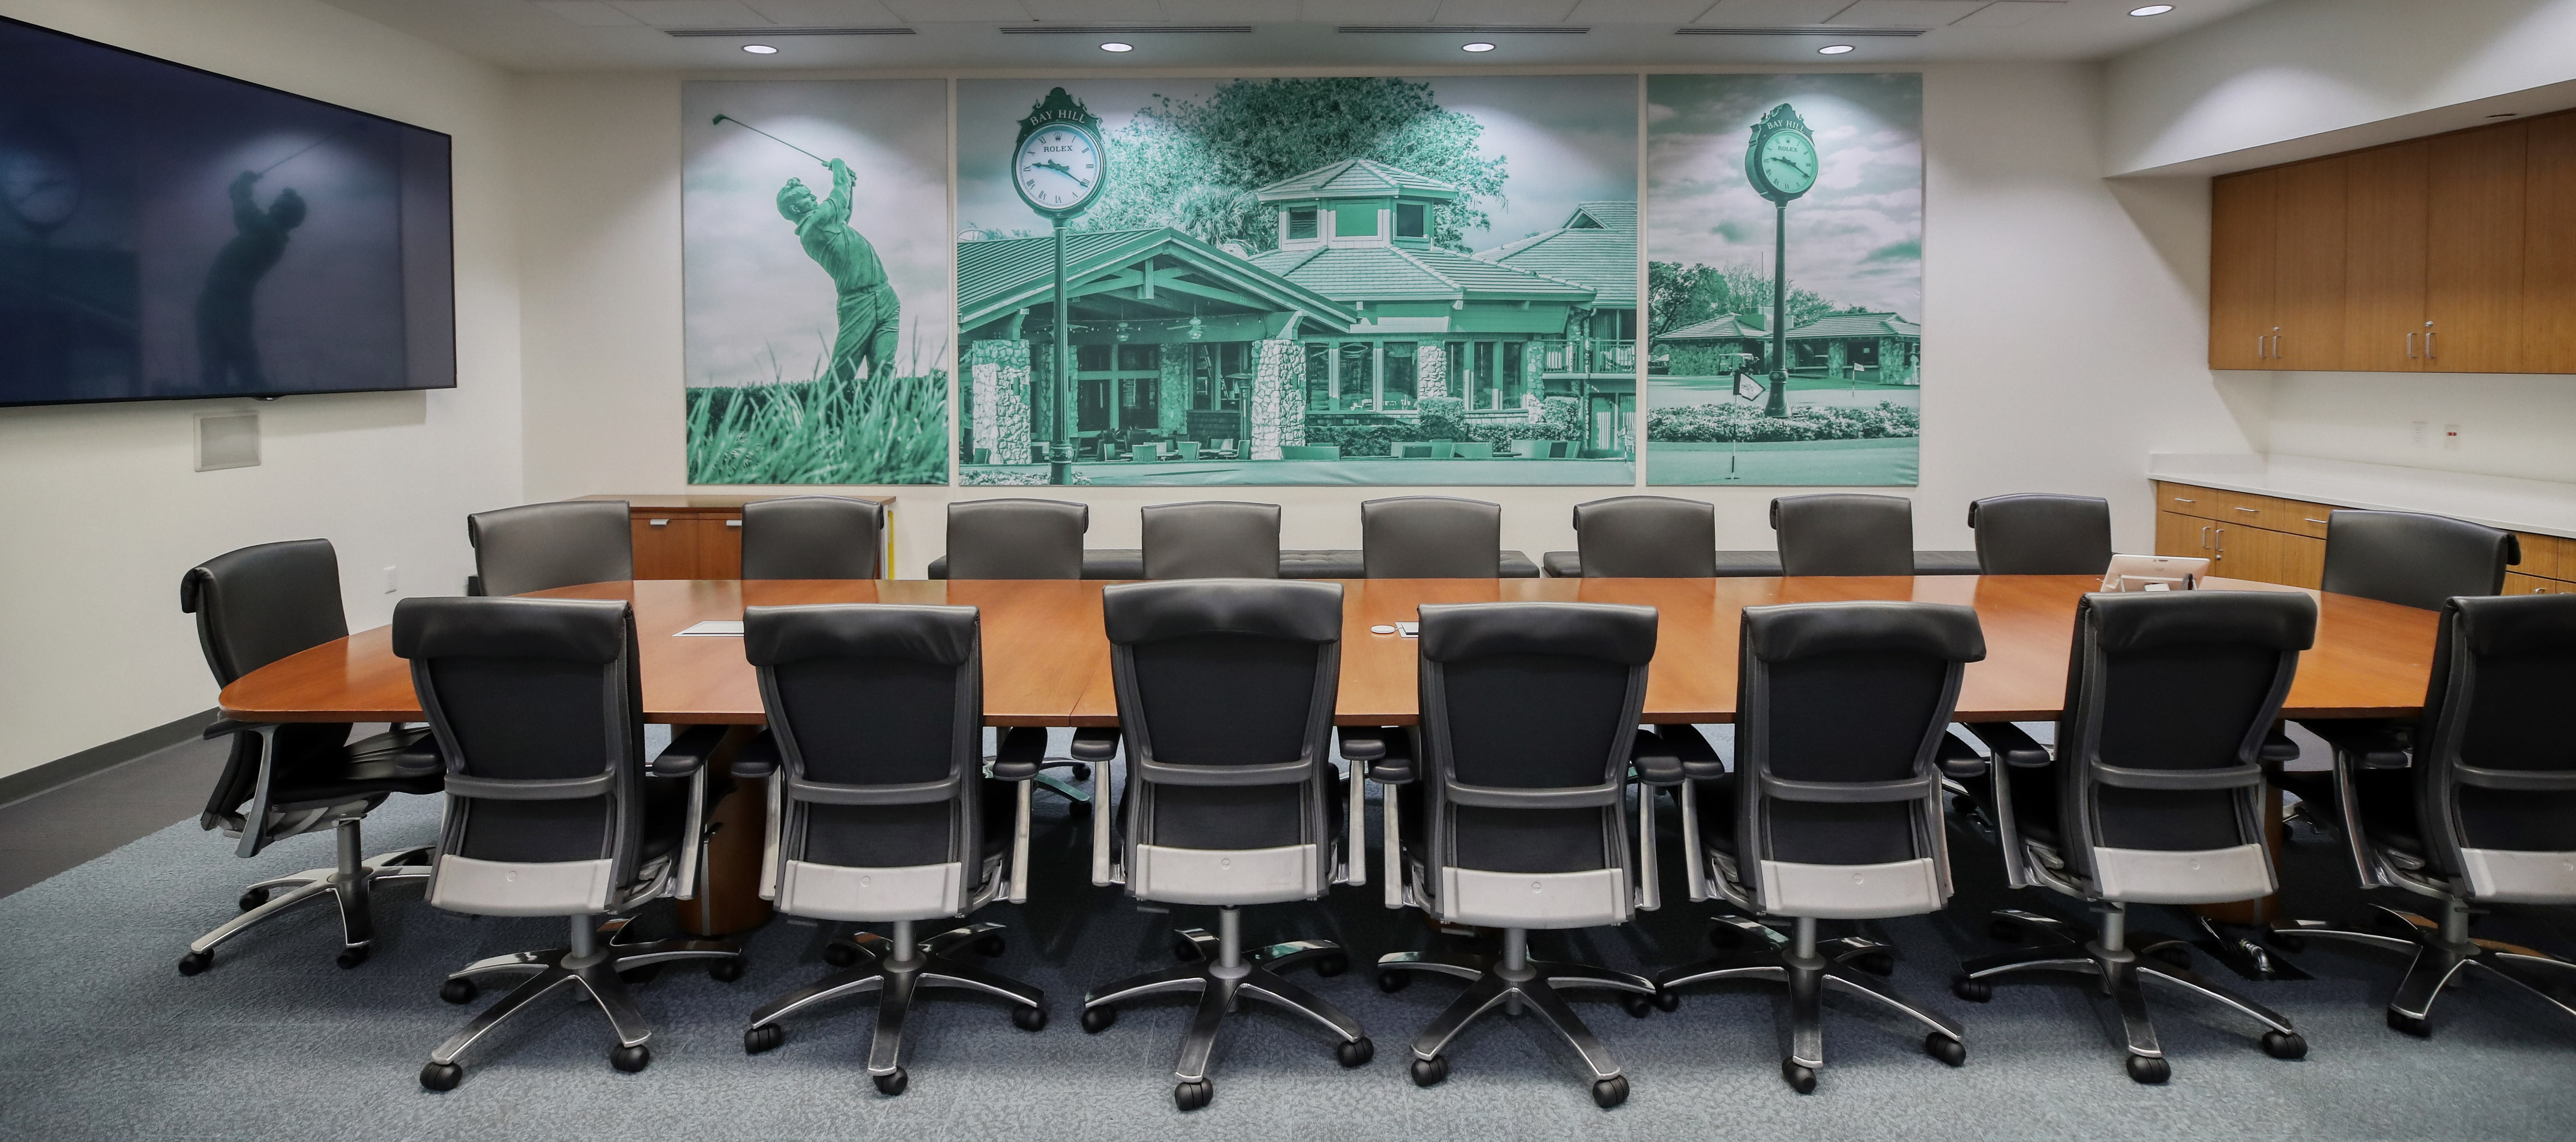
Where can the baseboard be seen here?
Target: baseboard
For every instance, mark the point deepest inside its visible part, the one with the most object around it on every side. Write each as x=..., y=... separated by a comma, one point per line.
x=63, y=770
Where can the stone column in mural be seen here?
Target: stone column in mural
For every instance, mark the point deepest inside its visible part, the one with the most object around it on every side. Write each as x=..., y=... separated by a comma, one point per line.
x=1172, y=396
x=1430, y=371
x=1278, y=401
x=998, y=393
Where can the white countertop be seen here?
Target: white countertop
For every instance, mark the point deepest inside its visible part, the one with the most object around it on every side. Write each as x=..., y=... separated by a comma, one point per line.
x=2544, y=507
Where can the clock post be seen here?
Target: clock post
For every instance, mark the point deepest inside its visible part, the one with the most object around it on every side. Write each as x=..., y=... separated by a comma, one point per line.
x=1780, y=160
x=1058, y=144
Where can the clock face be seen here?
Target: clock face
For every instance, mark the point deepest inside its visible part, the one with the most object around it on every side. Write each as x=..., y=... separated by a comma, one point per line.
x=1058, y=169
x=1788, y=162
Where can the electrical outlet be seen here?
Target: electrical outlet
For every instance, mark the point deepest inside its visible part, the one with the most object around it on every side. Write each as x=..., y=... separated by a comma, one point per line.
x=2423, y=434
x=393, y=580
x=2450, y=438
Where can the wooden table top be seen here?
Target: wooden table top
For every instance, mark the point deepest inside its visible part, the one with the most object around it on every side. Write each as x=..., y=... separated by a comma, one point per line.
x=1046, y=664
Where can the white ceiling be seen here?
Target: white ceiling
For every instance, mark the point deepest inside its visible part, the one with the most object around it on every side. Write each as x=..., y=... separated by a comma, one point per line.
x=594, y=35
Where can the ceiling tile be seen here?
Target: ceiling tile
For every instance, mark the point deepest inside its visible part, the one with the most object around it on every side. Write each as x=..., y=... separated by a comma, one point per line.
x=959, y=11
x=1676, y=12
x=825, y=13
x=1503, y=11
x=690, y=13
x=1903, y=13
x=1087, y=11
x=589, y=13
x=2008, y=13
x=1770, y=13
x=1369, y=11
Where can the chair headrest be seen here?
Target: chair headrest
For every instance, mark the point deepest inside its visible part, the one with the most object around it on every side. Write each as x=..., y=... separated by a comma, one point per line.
x=941, y=636
x=1455, y=632
x=590, y=631
x=2505, y=625
x=1302, y=610
x=2147, y=620
x=1794, y=631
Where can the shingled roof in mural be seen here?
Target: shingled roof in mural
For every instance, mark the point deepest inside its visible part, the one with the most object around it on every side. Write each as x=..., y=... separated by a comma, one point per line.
x=1357, y=178
x=994, y=278
x=1596, y=247
x=1393, y=273
x=1856, y=325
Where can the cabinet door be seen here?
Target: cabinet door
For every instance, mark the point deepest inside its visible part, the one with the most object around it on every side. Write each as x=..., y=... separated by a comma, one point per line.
x=2549, y=245
x=2297, y=560
x=2186, y=499
x=2384, y=237
x=2183, y=535
x=2517, y=583
x=719, y=547
x=2234, y=556
x=2242, y=254
x=2308, y=266
x=2473, y=259
x=666, y=547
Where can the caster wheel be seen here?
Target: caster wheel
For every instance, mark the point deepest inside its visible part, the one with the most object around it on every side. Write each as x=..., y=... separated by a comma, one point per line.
x=1800, y=1079
x=2150, y=1071
x=1332, y=964
x=441, y=1076
x=761, y=1040
x=253, y=898
x=1391, y=982
x=351, y=957
x=1610, y=1092
x=1029, y=1018
x=1880, y=964
x=840, y=954
x=1638, y=1006
x=2290, y=942
x=1097, y=1019
x=195, y=962
x=1972, y=990
x=2178, y=955
x=1355, y=1053
x=2419, y=1028
x=643, y=974
x=1726, y=937
x=1432, y=1071
x=1081, y=774
x=1946, y=1049
x=458, y=991
x=1668, y=1000
x=631, y=1059
x=892, y=1084
x=1192, y=1096
x=725, y=970
x=1186, y=950
x=2284, y=1045
x=2005, y=930
x=989, y=945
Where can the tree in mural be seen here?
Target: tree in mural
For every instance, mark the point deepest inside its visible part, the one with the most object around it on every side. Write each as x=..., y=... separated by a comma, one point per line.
x=1678, y=296
x=1194, y=166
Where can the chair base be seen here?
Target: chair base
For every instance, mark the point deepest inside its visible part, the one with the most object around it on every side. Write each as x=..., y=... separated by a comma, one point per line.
x=1517, y=984
x=2440, y=949
x=350, y=884
x=1807, y=966
x=588, y=964
x=2070, y=948
x=899, y=968
x=2235, y=946
x=1223, y=973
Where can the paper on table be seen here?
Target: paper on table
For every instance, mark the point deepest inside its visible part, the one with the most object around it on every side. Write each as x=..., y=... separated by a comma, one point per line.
x=717, y=627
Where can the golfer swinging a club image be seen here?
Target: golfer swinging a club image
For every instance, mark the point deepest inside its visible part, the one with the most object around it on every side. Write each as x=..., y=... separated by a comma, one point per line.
x=867, y=306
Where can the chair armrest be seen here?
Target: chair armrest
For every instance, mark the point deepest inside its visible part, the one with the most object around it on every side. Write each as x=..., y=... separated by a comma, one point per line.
x=421, y=758
x=1395, y=766
x=1958, y=759
x=2277, y=747
x=1656, y=762
x=1021, y=750
x=2370, y=743
x=757, y=760
x=226, y=727
x=1699, y=759
x=1363, y=743
x=1095, y=743
x=2011, y=744
x=687, y=753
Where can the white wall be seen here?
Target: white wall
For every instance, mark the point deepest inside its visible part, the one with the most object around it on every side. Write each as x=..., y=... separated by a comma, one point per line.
x=106, y=512
x=2063, y=322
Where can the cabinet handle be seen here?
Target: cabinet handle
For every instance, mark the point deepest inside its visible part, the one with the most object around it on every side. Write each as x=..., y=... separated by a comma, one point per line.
x=2180, y=500
x=2256, y=511
x=2204, y=538
x=2276, y=346
x=657, y=523
x=2258, y=344
x=733, y=523
x=2222, y=543
x=2410, y=346
x=2429, y=354
x=2313, y=519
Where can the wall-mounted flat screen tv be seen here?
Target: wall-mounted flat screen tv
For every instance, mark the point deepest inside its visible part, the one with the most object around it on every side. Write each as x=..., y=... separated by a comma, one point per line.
x=168, y=233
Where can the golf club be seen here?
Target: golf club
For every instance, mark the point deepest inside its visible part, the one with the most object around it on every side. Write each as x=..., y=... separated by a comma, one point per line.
x=723, y=119
x=309, y=146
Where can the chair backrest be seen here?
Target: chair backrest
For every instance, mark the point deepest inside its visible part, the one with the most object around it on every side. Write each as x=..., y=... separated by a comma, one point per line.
x=1212, y=539
x=1431, y=537
x=254, y=606
x=1840, y=710
x=2495, y=771
x=877, y=715
x=537, y=706
x=2169, y=698
x=1844, y=533
x=1225, y=701
x=2036, y=533
x=1529, y=713
x=811, y=537
x=535, y=547
x=2413, y=559
x=1016, y=539
x=1646, y=537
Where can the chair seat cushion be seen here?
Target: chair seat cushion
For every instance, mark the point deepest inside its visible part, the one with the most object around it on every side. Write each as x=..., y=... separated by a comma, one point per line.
x=365, y=768
x=2387, y=804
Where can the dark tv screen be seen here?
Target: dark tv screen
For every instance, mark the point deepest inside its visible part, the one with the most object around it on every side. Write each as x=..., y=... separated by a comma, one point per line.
x=168, y=233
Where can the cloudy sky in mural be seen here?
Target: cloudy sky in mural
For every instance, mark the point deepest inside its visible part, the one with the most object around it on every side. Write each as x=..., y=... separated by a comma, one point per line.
x=1855, y=239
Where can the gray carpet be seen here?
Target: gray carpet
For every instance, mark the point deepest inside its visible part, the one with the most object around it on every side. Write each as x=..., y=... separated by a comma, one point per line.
x=106, y=1040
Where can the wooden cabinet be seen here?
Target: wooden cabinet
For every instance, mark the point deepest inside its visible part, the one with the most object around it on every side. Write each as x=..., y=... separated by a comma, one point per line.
x=2384, y=236
x=2549, y=247
x=2241, y=259
x=2275, y=540
x=2516, y=583
x=700, y=537
x=2276, y=302
x=2473, y=252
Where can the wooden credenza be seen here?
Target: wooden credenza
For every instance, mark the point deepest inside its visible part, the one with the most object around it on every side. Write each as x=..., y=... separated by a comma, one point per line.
x=2274, y=540
x=700, y=537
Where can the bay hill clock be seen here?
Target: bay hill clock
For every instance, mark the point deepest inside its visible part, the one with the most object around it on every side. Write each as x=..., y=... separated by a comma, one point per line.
x=1780, y=158
x=1058, y=163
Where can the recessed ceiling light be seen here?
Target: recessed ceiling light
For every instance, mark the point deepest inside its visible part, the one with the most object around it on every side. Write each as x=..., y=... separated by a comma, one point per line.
x=1478, y=46
x=2151, y=10
x=1115, y=46
x=760, y=49
x=1833, y=49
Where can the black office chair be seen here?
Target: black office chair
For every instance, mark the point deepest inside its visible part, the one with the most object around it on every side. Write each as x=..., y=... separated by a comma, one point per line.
x=537, y=547
x=1834, y=808
x=1646, y=537
x=2036, y=533
x=551, y=809
x=1842, y=533
x=2486, y=809
x=253, y=607
x=1529, y=727
x=1016, y=539
x=2413, y=559
x=875, y=759
x=1225, y=702
x=2154, y=796
x=1212, y=539
x=812, y=537
x=1431, y=537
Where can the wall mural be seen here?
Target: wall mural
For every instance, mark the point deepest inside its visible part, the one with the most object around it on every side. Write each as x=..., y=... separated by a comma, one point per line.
x=1298, y=281
x=816, y=257
x=1785, y=290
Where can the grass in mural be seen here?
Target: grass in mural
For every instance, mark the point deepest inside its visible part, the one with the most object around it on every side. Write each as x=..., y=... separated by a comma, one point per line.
x=826, y=431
